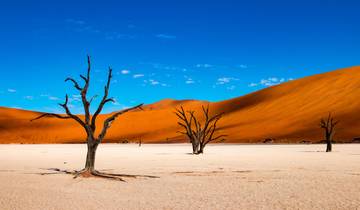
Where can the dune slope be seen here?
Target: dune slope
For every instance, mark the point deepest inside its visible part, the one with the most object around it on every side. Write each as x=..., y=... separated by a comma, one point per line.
x=289, y=112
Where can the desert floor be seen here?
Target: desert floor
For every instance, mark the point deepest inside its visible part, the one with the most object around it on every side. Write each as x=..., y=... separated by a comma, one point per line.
x=225, y=177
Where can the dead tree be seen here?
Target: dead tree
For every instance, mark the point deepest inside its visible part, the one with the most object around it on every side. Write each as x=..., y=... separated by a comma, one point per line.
x=199, y=135
x=328, y=125
x=88, y=122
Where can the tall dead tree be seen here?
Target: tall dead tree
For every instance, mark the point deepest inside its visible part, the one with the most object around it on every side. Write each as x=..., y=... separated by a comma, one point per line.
x=328, y=125
x=88, y=122
x=199, y=135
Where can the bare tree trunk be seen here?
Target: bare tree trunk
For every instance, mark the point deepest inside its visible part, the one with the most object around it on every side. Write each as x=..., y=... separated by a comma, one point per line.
x=328, y=147
x=195, y=145
x=201, y=149
x=328, y=143
x=90, y=157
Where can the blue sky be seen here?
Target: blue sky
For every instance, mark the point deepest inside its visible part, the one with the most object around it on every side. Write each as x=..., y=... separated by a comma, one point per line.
x=208, y=50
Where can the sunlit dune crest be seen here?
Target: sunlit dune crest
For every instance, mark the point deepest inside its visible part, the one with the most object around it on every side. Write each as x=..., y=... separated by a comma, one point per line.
x=287, y=113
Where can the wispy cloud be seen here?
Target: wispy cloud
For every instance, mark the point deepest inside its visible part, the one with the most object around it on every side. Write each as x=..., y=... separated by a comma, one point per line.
x=50, y=97
x=242, y=66
x=125, y=71
x=162, y=66
x=76, y=98
x=53, y=98
x=138, y=75
x=11, y=90
x=116, y=35
x=29, y=97
x=271, y=81
x=83, y=26
x=189, y=81
x=154, y=82
x=165, y=36
x=204, y=65
x=253, y=84
x=225, y=80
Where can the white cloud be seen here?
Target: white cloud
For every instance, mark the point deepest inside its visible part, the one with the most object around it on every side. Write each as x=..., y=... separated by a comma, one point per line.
x=53, y=98
x=154, y=82
x=205, y=65
x=75, y=98
x=125, y=71
x=11, y=90
x=232, y=87
x=189, y=81
x=271, y=81
x=29, y=97
x=243, y=66
x=165, y=36
x=225, y=80
x=138, y=75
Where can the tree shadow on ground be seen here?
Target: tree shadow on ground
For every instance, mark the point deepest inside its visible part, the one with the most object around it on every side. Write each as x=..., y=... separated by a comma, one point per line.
x=114, y=176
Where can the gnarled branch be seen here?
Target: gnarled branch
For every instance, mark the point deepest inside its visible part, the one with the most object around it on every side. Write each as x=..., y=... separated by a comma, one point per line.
x=109, y=120
x=50, y=115
x=104, y=100
x=76, y=85
x=68, y=113
x=199, y=133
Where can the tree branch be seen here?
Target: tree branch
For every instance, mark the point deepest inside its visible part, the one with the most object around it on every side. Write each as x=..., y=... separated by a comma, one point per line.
x=50, y=115
x=92, y=98
x=109, y=120
x=69, y=114
x=76, y=85
x=103, y=101
x=85, y=102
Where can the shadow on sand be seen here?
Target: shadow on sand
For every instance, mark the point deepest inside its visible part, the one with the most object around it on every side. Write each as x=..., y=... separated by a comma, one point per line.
x=54, y=171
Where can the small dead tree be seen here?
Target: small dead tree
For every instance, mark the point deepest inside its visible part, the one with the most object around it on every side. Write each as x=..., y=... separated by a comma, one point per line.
x=199, y=135
x=89, y=122
x=328, y=125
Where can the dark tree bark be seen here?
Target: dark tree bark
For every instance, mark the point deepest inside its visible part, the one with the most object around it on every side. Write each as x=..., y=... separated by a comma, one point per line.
x=329, y=130
x=89, y=122
x=199, y=135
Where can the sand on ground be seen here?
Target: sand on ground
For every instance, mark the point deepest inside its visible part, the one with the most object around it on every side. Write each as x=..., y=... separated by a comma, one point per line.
x=225, y=177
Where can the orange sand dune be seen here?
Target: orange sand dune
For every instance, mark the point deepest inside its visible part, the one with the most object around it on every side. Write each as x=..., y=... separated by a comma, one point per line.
x=289, y=112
